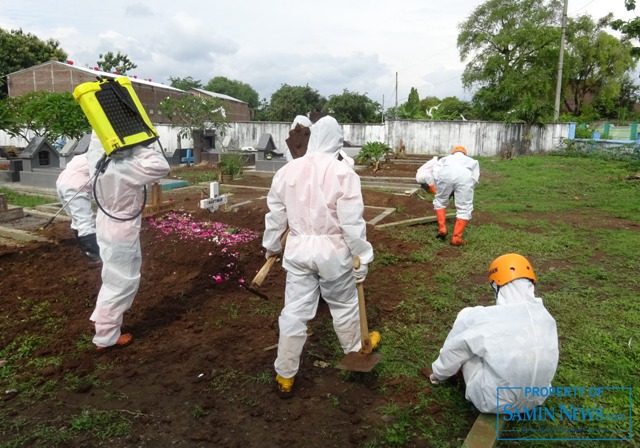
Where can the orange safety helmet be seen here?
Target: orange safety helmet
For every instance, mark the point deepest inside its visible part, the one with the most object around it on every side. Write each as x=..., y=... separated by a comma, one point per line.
x=459, y=149
x=510, y=267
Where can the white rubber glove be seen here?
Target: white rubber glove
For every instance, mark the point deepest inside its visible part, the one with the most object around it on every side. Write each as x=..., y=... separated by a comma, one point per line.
x=433, y=379
x=277, y=254
x=361, y=273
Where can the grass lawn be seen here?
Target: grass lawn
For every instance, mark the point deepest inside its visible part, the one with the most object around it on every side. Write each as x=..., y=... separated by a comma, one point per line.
x=577, y=219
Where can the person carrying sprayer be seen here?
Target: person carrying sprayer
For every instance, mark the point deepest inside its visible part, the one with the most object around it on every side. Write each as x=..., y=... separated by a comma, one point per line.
x=511, y=345
x=118, y=188
x=456, y=174
x=319, y=198
x=116, y=168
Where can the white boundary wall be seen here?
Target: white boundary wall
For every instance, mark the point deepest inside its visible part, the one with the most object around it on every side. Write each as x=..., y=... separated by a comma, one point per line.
x=480, y=138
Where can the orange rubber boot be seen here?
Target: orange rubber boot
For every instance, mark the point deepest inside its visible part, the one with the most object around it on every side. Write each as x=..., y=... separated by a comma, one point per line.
x=441, y=214
x=458, y=230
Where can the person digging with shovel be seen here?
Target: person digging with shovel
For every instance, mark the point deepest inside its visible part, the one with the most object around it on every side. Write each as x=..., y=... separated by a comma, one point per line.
x=319, y=198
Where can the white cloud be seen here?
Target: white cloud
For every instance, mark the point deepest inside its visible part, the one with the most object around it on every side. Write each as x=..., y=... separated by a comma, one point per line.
x=331, y=46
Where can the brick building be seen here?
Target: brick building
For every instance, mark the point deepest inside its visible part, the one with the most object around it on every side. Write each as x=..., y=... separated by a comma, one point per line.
x=54, y=76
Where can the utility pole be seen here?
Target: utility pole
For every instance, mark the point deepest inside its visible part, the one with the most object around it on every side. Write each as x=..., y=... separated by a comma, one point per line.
x=556, y=110
x=396, y=91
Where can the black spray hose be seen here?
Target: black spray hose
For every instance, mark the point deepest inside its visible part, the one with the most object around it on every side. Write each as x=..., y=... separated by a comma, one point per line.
x=100, y=168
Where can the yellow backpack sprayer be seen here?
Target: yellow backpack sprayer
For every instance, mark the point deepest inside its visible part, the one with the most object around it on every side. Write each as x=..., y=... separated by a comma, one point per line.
x=120, y=122
x=115, y=113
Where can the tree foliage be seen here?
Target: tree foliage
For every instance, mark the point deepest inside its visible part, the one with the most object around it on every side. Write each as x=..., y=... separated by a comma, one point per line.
x=47, y=114
x=289, y=101
x=19, y=50
x=118, y=63
x=353, y=107
x=596, y=64
x=235, y=89
x=193, y=113
x=185, y=83
x=512, y=49
x=629, y=28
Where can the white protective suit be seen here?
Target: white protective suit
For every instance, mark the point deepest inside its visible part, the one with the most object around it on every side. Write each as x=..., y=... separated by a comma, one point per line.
x=302, y=121
x=346, y=159
x=424, y=175
x=320, y=199
x=456, y=173
x=511, y=344
x=73, y=179
x=119, y=191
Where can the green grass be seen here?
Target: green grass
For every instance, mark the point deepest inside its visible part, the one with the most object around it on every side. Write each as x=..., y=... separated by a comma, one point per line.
x=24, y=200
x=577, y=220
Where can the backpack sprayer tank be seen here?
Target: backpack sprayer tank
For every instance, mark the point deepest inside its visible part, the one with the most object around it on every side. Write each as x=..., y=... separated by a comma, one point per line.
x=115, y=113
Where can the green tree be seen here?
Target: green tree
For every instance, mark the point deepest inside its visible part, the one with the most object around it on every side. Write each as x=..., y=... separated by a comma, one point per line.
x=289, y=101
x=235, y=89
x=193, y=113
x=512, y=47
x=185, y=83
x=629, y=28
x=118, y=63
x=47, y=114
x=353, y=107
x=596, y=64
x=19, y=50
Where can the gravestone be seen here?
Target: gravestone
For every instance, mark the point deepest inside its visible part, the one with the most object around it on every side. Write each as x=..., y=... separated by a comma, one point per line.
x=40, y=164
x=268, y=157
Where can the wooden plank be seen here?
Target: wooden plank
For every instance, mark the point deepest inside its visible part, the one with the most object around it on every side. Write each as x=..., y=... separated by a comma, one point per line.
x=483, y=432
x=413, y=221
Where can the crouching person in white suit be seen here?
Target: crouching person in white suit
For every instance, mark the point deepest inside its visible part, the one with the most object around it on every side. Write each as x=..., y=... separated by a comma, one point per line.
x=511, y=345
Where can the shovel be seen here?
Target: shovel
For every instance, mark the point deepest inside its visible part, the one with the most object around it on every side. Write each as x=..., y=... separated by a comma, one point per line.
x=257, y=281
x=364, y=360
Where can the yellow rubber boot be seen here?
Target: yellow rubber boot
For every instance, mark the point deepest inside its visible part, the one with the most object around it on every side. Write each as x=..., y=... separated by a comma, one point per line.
x=458, y=230
x=441, y=214
x=285, y=386
x=375, y=338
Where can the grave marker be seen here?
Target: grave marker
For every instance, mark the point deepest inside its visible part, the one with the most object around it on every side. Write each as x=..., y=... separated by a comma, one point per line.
x=189, y=159
x=215, y=200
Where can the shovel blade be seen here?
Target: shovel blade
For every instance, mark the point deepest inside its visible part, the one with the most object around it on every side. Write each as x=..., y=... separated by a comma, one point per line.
x=359, y=362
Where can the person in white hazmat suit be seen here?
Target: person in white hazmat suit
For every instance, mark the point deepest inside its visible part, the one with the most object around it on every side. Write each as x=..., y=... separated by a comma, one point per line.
x=319, y=198
x=455, y=174
x=511, y=345
x=74, y=192
x=424, y=175
x=119, y=192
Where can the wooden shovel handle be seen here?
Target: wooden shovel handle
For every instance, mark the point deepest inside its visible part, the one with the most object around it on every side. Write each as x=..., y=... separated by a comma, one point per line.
x=264, y=271
x=364, y=327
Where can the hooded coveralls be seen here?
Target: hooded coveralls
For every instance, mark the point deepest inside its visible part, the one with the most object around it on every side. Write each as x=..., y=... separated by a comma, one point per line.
x=424, y=175
x=74, y=179
x=456, y=173
x=119, y=191
x=511, y=344
x=320, y=199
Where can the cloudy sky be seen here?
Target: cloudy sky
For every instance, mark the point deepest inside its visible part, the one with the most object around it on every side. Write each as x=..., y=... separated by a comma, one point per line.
x=331, y=46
